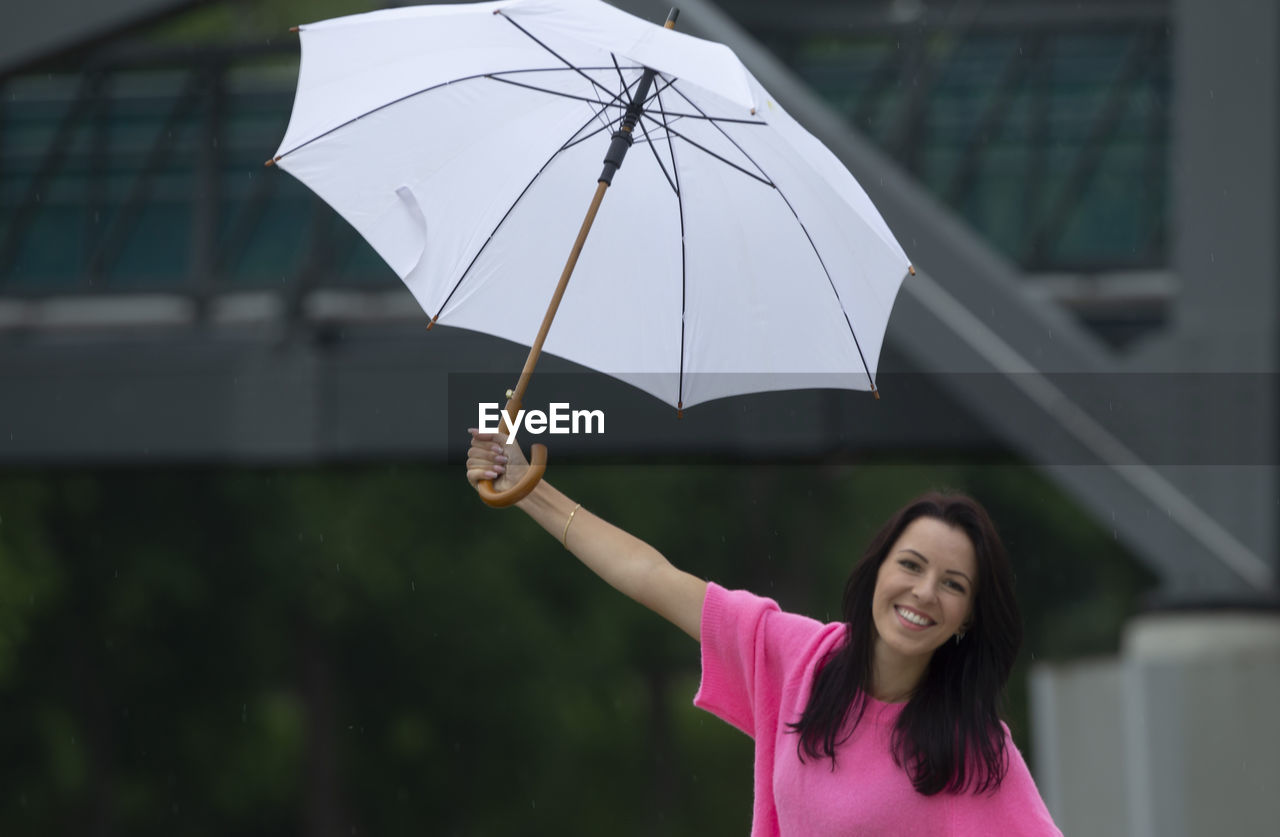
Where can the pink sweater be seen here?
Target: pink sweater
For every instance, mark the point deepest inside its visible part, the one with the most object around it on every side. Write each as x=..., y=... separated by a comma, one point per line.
x=757, y=667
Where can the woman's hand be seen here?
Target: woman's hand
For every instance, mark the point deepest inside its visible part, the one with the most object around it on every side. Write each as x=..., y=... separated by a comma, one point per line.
x=490, y=458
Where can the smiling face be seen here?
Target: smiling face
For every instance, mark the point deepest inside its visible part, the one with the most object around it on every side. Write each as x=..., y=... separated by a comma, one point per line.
x=924, y=592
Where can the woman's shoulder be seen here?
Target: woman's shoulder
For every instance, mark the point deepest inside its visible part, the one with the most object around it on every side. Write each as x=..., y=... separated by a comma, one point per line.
x=758, y=621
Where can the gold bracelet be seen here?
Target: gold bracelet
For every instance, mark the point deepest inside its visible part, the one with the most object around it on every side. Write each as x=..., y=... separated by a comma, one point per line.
x=564, y=539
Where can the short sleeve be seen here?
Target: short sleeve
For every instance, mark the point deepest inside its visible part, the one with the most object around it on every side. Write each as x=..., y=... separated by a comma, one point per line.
x=1016, y=808
x=749, y=648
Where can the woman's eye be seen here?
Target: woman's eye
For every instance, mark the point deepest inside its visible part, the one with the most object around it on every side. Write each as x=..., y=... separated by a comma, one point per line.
x=908, y=564
x=955, y=585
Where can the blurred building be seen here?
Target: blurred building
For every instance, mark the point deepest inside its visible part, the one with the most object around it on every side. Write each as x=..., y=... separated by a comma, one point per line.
x=1088, y=188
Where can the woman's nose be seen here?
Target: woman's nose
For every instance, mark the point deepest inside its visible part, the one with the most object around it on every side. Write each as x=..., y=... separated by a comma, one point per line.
x=924, y=588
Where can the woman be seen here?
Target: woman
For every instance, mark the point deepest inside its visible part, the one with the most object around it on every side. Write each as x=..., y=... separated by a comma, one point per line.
x=885, y=723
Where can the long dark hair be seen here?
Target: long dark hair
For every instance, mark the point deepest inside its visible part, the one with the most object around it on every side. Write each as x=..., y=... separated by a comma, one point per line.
x=948, y=736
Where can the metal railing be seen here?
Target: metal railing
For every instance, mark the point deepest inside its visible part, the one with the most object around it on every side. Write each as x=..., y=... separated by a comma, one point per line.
x=143, y=172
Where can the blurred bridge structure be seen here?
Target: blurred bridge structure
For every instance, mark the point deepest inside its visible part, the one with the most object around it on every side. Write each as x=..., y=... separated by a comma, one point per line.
x=1088, y=189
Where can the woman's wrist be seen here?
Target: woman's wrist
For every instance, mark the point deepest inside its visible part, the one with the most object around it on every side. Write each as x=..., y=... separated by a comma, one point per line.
x=541, y=498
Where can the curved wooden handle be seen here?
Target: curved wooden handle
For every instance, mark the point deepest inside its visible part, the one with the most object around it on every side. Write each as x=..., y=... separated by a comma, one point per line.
x=517, y=492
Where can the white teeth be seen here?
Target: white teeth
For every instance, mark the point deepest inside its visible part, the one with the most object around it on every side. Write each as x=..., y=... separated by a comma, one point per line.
x=913, y=618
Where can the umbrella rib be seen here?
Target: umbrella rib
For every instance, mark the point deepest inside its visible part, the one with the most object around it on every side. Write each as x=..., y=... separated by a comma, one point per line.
x=607, y=124
x=649, y=142
x=614, y=101
x=407, y=96
x=672, y=132
x=701, y=113
x=707, y=118
x=382, y=106
x=683, y=266
x=596, y=132
x=622, y=81
x=713, y=121
x=603, y=107
x=507, y=214
x=657, y=91
x=562, y=69
x=555, y=92
x=560, y=57
x=856, y=343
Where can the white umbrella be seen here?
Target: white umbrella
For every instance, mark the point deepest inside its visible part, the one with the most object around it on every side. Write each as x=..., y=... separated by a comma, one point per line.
x=736, y=253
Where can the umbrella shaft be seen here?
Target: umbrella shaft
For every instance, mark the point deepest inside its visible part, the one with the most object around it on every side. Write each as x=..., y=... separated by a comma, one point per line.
x=517, y=395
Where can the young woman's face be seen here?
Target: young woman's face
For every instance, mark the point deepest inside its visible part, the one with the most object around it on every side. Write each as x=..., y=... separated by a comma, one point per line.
x=924, y=589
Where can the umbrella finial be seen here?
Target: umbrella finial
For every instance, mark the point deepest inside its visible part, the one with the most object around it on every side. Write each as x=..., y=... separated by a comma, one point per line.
x=671, y=18
x=911, y=269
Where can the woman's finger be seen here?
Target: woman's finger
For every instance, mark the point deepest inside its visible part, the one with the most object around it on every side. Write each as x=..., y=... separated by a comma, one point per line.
x=474, y=475
x=486, y=456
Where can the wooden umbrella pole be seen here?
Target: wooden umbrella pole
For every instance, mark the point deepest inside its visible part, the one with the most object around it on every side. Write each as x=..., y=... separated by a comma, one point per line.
x=517, y=395
x=538, y=464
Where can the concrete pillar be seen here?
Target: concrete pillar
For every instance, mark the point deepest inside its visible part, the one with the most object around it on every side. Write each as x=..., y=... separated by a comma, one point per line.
x=1223, y=350
x=1176, y=737
x=1202, y=710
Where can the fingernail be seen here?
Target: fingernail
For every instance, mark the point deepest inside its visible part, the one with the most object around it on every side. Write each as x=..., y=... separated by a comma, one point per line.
x=493, y=475
x=500, y=458
x=473, y=431
x=496, y=448
x=499, y=469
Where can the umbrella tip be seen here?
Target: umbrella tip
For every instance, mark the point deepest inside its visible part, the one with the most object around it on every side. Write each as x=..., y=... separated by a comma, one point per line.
x=911, y=269
x=295, y=28
x=271, y=162
x=876, y=393
x=433, y=322
x=671, y=18
x=680, y=409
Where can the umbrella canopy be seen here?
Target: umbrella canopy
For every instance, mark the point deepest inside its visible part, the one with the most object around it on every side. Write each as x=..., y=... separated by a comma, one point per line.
x=734, y=254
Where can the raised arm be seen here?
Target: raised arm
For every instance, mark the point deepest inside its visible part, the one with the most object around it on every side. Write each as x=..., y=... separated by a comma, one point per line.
x=629, y=564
